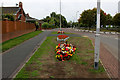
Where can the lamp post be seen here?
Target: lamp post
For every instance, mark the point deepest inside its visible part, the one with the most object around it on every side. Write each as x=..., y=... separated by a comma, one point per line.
x=60, y=15
x=76, y=18
x=97, y=37
x=76, y=15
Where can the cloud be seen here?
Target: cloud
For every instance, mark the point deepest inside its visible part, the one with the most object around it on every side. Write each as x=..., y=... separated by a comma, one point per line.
x=43, y=8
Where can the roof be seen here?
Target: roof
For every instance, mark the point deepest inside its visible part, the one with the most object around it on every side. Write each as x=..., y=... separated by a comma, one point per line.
x=9, y=10
x=40, y=21
x=28, y=17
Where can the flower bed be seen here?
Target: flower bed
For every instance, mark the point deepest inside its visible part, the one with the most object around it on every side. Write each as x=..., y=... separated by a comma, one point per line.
x=60, y=32
x=62, y=37
x=64, y=51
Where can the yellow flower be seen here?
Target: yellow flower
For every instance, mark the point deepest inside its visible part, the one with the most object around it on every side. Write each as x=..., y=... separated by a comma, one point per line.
x=70, y=54
x=67, y=52
x=56, y=56
x=56, y=47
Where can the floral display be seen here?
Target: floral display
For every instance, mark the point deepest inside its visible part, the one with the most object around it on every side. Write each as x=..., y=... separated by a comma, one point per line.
x=64, y=51
x=62, y=37
x=62, y=32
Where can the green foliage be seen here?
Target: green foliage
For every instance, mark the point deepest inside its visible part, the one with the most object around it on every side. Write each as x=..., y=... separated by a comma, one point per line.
x=109, y=19
x=69, y=24
x=116, y=19
x=89, y=18
x=54, y=20
x=52, y=77
x=9, y=17
x=47, y=25
x=34, y=73
x=100, y=69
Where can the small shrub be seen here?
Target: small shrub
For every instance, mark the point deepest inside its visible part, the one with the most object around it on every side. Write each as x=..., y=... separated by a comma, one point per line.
x=9, y=17
x=45, y=25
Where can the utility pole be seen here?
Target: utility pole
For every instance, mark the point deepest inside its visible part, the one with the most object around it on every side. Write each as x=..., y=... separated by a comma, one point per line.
x=97, y=37
x=2, y=4
x=76, y=18
x=60, y=15
x=76, y=15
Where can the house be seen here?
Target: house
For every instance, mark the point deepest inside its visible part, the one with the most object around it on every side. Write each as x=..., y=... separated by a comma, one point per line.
x=17, y=12
x=30, y=19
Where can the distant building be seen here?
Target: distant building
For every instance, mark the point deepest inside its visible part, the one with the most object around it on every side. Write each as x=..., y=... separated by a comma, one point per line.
x=119, y=7
x=18, y=13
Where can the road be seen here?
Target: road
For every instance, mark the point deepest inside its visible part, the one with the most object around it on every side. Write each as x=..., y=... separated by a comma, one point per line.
x=110, y=41
x=13, y=58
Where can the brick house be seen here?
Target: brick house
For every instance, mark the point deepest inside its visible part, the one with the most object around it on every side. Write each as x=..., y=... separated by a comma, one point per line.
x=18, y=12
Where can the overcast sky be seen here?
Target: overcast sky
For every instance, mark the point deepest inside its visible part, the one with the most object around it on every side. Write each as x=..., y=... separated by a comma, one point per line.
x=41, y=8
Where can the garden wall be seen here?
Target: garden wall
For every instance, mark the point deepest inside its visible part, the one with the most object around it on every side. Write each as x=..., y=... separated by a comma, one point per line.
x=12, y=29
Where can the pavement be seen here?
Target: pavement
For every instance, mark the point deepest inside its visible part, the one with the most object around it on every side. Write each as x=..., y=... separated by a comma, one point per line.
x=13, y=58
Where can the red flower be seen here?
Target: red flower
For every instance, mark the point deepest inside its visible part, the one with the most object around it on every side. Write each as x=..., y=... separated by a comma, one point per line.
x=62, y=36
x=60, y=32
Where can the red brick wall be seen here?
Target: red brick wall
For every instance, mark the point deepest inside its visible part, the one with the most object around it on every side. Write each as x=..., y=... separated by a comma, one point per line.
x=22, y=17
x=12, y=29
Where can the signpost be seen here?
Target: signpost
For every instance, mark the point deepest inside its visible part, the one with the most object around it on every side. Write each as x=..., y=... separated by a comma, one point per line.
x=97, y=37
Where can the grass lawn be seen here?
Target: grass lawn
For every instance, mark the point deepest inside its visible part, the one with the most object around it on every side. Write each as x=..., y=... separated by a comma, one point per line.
x=43, y=63
x=15, y=41
x=54, y=32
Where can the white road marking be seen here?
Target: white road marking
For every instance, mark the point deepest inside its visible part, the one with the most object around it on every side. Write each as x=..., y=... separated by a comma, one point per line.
x=116, y=38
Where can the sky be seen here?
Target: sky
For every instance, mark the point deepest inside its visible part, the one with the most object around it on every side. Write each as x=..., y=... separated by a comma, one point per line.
x=71, y=9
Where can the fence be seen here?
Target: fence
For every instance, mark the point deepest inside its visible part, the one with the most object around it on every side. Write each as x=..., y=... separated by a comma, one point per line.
x=12, y=29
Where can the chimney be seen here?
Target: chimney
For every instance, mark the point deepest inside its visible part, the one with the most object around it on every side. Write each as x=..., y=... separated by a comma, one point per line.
x=28, y=14
x=20, y=5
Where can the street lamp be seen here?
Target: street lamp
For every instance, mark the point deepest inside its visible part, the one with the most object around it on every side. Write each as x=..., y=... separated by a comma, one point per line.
x=97, y=37
x=60, y=15
x=76, y=15
x=76, y=18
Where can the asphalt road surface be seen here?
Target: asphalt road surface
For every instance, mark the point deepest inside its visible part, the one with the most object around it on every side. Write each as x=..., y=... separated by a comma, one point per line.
x=13, y=58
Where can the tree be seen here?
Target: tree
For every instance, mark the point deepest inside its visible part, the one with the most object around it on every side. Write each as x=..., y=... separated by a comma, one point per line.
x=45, y=25
x=109, y=19
x=53, y=14
x=69, y=24
x=116, y=19
x=89, y=18
x=54, y=19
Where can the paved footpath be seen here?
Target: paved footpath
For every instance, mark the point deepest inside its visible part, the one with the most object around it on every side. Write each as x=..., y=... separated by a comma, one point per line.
x=13, y=58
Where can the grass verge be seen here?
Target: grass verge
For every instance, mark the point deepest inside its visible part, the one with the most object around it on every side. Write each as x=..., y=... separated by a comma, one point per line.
x=43, y=63
x=15, y=41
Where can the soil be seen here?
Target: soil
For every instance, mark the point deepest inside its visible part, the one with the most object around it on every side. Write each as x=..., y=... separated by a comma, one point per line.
x=51, y=67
